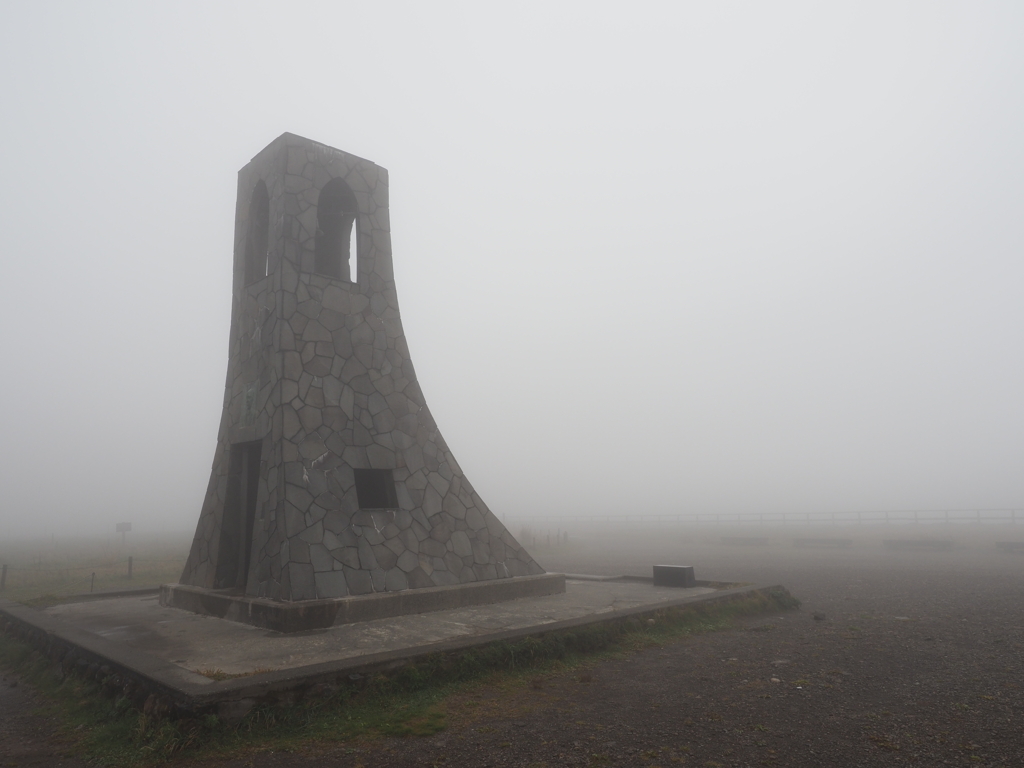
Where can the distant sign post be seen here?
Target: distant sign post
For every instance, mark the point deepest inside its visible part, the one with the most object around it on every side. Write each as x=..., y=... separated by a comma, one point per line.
x=123, y=528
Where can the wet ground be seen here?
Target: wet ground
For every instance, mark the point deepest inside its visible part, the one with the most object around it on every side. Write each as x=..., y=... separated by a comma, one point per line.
x=27, y=735
x=906, y=654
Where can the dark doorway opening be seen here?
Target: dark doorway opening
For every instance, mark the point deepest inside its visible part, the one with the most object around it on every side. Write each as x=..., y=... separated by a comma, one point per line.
x=239, y=516
x=375, y=489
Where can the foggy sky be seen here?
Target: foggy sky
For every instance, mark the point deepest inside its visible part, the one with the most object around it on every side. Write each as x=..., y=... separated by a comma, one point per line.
x=717, y=257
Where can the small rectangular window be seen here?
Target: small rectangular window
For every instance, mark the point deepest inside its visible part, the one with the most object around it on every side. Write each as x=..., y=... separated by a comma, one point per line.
x=375, y=489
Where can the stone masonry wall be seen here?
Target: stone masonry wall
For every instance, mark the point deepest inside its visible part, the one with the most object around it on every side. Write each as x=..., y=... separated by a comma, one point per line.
x=319, y=369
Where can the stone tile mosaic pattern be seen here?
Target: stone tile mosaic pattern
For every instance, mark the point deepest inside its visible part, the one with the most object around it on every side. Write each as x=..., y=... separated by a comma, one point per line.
x=319, y=370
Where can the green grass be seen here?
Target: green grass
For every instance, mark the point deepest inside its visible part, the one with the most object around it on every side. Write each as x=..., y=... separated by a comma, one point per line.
x=43, y=573
x=406, y=702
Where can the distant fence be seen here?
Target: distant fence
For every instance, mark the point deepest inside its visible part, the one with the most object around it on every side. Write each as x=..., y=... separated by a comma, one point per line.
x=21, y=582
x=872, y=517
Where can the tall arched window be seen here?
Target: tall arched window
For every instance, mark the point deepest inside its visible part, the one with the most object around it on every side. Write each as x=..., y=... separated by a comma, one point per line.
x=335, y=230
x=256, y=237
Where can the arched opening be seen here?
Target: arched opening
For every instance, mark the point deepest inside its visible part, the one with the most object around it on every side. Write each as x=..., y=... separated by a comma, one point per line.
x=335, y=231
x=257, y=236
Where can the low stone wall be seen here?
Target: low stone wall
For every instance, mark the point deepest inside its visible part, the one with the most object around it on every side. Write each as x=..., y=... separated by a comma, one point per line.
x=319, y=614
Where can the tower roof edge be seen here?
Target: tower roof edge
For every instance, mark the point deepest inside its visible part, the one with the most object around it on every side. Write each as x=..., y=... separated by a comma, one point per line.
x=293, y=139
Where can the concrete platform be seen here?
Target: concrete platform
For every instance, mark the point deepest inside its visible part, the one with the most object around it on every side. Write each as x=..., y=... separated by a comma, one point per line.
x=165, y=649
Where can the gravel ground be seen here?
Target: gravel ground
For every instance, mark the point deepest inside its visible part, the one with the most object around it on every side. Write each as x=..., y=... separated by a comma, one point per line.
x=895, y=658
x=26, y=736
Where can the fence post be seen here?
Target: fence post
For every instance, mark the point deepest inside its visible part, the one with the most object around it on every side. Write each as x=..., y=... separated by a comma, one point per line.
x=3, y=578
x=129, y=566
x=92, y=583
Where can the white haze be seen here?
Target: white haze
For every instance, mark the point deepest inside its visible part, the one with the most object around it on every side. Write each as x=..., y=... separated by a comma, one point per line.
x=651, y=257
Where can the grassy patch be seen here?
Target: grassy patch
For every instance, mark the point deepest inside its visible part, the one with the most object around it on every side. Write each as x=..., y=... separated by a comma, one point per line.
x=415, y=700
x=42, y=574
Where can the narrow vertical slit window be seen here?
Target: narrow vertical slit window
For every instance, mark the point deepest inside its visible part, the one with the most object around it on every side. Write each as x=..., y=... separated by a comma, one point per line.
x=336, y=231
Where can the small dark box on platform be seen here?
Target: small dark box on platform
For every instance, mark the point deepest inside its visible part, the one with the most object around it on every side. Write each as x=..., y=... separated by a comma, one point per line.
x=674, y=576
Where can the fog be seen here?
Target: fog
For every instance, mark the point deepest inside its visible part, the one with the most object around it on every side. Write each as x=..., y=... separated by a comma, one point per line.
x=710, y=258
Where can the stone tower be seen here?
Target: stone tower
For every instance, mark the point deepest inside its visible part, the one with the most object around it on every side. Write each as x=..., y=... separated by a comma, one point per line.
x=330, y=477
